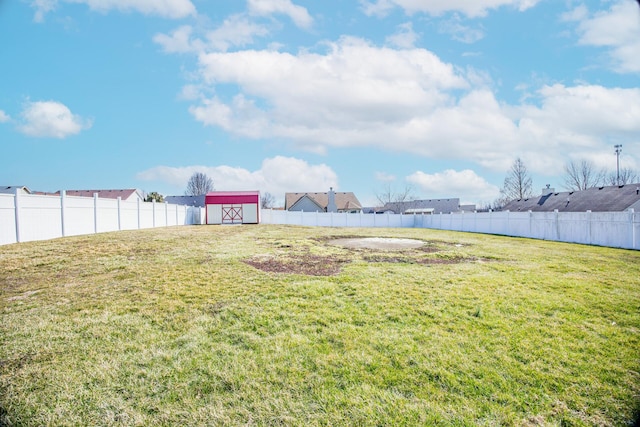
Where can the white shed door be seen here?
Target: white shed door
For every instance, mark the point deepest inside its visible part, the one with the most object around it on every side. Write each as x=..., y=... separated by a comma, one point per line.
x=232, y=214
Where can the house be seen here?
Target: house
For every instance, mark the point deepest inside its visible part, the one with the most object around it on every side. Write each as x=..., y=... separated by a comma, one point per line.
x=129, y=195
x=322, y=202
x=197, y=201
x=12, y=189
x=598, y=199
x=430, y=206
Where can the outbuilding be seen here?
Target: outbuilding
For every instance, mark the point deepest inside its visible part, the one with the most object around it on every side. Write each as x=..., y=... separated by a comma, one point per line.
x=233, y=207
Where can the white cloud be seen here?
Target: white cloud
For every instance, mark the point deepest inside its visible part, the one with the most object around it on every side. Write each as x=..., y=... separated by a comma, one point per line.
x=4, y=117
x=459, y=31
x=355, y=94
x=42, y=7
x=576, y=14
x=298, y=14
x=236, y=30
x=617, y=29
x=404, y=38
x=51, y=119
x=469, y=8
x=384, y=177
x=274, y=176
x=465, y=184
x=179, y=41
x=173, y=9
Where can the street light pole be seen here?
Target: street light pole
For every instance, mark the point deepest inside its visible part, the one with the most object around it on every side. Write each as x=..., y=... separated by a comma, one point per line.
x=618, y=148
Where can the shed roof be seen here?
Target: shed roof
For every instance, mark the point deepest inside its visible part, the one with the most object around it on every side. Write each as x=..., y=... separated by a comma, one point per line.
x=218, y=197
x=598, y=199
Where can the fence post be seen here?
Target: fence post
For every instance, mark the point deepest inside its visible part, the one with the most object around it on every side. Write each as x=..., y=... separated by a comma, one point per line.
x=166, y=214
x=589, y=239
x=557, y=224
x=63, y=206
x=633, y=228
x=530, y=224
x=119, y=213
x=95, y=212
x=153, y=205
x=138, y=203
x=16, y=207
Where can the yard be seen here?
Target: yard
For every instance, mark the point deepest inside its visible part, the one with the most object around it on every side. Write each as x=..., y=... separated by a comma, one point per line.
x=275, y=325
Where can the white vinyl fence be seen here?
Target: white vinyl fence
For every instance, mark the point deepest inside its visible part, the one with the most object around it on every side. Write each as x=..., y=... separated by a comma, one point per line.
x=27, y=217
x=614, y=229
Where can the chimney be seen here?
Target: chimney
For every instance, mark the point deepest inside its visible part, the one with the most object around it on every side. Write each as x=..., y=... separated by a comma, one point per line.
x=331, y=202
x=548, y=190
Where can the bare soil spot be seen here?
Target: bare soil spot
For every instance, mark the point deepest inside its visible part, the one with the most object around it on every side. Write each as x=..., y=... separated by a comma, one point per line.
x=381, y=243
x=308, y=264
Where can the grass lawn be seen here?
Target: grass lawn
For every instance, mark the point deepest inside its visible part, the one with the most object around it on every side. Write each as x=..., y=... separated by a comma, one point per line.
x=272, y=325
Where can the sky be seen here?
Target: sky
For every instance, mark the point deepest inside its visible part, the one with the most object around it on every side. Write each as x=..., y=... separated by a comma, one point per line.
x=438, y=96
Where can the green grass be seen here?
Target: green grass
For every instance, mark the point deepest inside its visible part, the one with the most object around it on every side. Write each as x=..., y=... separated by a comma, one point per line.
x=183, y=326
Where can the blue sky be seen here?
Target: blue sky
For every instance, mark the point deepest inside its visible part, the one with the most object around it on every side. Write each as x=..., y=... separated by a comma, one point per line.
x=293, y=95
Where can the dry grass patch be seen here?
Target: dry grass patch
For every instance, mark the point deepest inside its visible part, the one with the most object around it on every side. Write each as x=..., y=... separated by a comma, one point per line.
x=182, y=326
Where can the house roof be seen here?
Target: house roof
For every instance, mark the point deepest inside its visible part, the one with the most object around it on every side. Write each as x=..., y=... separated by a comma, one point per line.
x=438, y=205
x=301, y=200
x=598, y=199
x=105, y=194
x=186, y=200
x=345, y=201
x=11, y=189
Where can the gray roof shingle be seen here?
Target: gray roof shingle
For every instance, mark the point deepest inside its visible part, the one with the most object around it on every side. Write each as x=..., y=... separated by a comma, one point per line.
x=438, y=205
x=597, y=199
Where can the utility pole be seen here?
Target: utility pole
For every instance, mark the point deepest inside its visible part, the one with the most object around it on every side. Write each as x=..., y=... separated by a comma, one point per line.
x=618, y=148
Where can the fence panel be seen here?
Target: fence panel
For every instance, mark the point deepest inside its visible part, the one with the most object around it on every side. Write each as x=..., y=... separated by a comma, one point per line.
x=40, y=217
x=79, y=215
x=107, y=215
x=128, y=215
x=7, y=219
x=612, y=229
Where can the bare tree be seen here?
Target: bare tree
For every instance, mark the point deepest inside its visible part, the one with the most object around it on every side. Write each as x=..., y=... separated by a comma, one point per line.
x=267, y=200
x=583, y=175
x=627, y=176
x=517, y=184
x=389, y=195
x=199, y=184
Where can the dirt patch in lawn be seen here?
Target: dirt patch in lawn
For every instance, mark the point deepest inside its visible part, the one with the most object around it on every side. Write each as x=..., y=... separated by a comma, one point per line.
x=308, y=264
x=292, y=258
x=380, y=243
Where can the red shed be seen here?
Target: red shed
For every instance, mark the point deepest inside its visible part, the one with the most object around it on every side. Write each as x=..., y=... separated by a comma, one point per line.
x=233, y=207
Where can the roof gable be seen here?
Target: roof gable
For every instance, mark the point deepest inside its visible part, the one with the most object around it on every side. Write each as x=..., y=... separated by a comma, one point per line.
x=307, y=203
x=345, y=201
x=11, y=189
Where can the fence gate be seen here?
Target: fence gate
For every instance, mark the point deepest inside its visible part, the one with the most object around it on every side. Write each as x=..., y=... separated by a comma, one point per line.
x=232, y=214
